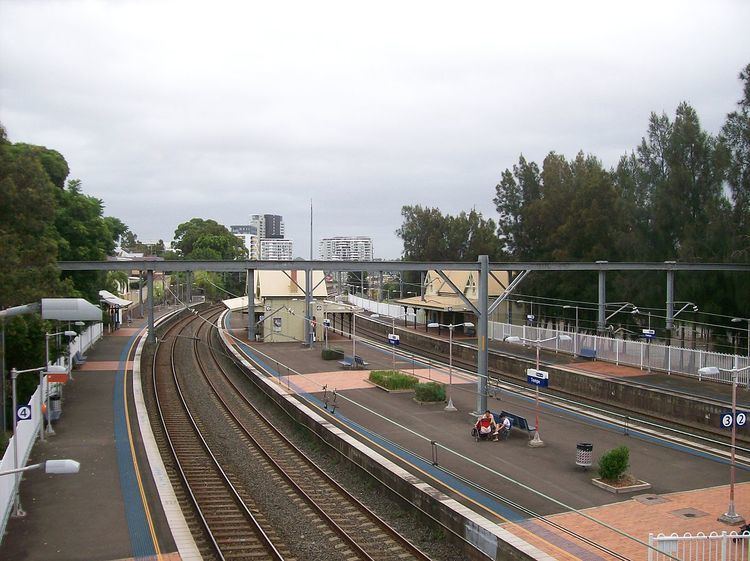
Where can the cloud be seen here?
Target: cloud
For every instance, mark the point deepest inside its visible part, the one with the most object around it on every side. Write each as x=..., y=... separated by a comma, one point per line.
x=172, y=110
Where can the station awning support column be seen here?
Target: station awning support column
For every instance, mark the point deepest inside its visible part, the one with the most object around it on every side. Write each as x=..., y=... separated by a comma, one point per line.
x=150, y=288
x=251, y=305
x=482, y=322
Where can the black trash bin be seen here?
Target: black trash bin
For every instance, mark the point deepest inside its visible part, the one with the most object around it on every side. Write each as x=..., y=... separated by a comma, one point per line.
x=584, y=454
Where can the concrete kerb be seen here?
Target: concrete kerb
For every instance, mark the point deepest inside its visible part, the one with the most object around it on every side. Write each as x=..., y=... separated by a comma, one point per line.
x=482, y=537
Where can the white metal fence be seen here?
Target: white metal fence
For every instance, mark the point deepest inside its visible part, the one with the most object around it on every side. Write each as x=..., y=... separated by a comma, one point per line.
x=727, y=546
x=641, y=354
x=22, y=442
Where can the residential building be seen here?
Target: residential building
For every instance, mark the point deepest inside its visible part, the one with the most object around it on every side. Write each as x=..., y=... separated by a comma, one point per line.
x=268, y=226
x=249, y=235
x=275, y=249
x=342, y=248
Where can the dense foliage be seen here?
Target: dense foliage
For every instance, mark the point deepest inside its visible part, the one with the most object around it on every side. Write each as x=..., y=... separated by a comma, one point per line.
x=428, y=392
x=44, y=220
x=393, y=379
x=614, y=463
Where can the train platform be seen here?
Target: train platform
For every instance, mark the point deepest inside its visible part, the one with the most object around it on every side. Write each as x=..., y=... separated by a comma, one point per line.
x=688, y=489
x=110, y=509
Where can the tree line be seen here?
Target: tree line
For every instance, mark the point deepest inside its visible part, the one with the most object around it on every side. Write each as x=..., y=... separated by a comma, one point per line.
x=682, y=194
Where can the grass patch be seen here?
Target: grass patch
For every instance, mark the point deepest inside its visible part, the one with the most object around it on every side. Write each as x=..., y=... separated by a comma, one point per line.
x=332, y=354
x=393, y=380
x=429, y=392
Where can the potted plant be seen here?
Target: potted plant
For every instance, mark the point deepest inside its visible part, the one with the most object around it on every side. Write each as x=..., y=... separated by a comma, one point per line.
x=613, y=476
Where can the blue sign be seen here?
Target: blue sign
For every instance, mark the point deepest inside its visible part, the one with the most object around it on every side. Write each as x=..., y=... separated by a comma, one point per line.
x=648, y=333
x=393, y=339
x=23, y=413
x=537, y=377
x=740, y=419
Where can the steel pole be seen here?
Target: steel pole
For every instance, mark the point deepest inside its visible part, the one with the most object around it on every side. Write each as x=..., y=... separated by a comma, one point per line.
x=450, y=406
x=536, y=442
x=17, y=511
x=50, y=430
x=731, y=516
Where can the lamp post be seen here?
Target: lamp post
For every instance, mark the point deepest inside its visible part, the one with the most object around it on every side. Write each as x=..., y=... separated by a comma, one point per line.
x=536, y=442
x=451, y=327
x=47, y=337
x=738, y=320
x=730, y=516
x=17, y=510
x=393, y=332
x=575, y=338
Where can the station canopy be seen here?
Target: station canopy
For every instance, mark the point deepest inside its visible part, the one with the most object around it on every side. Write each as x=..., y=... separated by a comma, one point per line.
x=70, y=309
x=112, y=300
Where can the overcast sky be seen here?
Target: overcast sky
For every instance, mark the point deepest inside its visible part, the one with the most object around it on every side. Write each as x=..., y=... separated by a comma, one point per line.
x=172, y=110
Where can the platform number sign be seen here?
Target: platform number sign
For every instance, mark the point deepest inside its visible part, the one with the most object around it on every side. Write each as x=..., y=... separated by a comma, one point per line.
x=726, y=419
x=23, y=413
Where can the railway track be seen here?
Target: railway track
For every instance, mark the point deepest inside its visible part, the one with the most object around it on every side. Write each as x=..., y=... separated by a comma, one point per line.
x=237, y=526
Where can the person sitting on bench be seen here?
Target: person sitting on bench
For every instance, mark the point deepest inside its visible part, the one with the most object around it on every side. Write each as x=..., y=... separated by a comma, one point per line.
x=486, y=426
x=503, y=430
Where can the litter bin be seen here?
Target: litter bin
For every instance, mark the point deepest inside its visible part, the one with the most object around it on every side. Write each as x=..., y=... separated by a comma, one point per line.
x=55, y=407
x=584, y=454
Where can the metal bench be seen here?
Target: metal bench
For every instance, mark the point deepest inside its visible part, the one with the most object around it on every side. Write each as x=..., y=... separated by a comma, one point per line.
x=347, y=362
x=587, y=353
x=516, y=421
x=78, y=359
x=355, y=362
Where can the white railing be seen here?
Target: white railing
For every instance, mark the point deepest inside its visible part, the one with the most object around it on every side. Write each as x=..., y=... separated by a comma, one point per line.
x=384, y=309
x=26, y=432
x=640, y=354
x=727, y=546
x=86, y=339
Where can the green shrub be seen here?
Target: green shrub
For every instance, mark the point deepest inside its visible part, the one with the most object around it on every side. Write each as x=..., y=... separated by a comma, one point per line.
x=332, y=354
x=429, y=391
x=612, y=464
x=392, y=379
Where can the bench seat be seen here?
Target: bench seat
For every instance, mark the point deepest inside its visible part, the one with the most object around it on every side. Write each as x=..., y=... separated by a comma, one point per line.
x=587, y=353
x=515, y=421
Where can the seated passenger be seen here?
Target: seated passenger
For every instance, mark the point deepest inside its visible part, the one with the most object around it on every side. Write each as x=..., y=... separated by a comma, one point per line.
x=504, y=429
x=486, y=425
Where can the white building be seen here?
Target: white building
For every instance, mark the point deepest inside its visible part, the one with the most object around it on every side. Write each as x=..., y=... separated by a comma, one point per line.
x=275, y=249
x=264, y=237
x=342, y=248
x=249, y=236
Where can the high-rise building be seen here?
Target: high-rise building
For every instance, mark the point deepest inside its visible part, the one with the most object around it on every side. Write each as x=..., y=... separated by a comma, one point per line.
x=269, y=226
x=249, y=235
x=274, y=249
x=342, y=248
x=264, y=237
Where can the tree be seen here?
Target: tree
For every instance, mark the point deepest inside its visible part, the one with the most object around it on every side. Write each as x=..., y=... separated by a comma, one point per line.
x=207, y=239
x=735, y=135
x=428, y=235
x=85, y=235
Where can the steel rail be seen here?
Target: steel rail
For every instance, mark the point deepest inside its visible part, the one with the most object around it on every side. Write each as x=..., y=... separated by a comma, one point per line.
x=240, y=538
x=323, y=479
